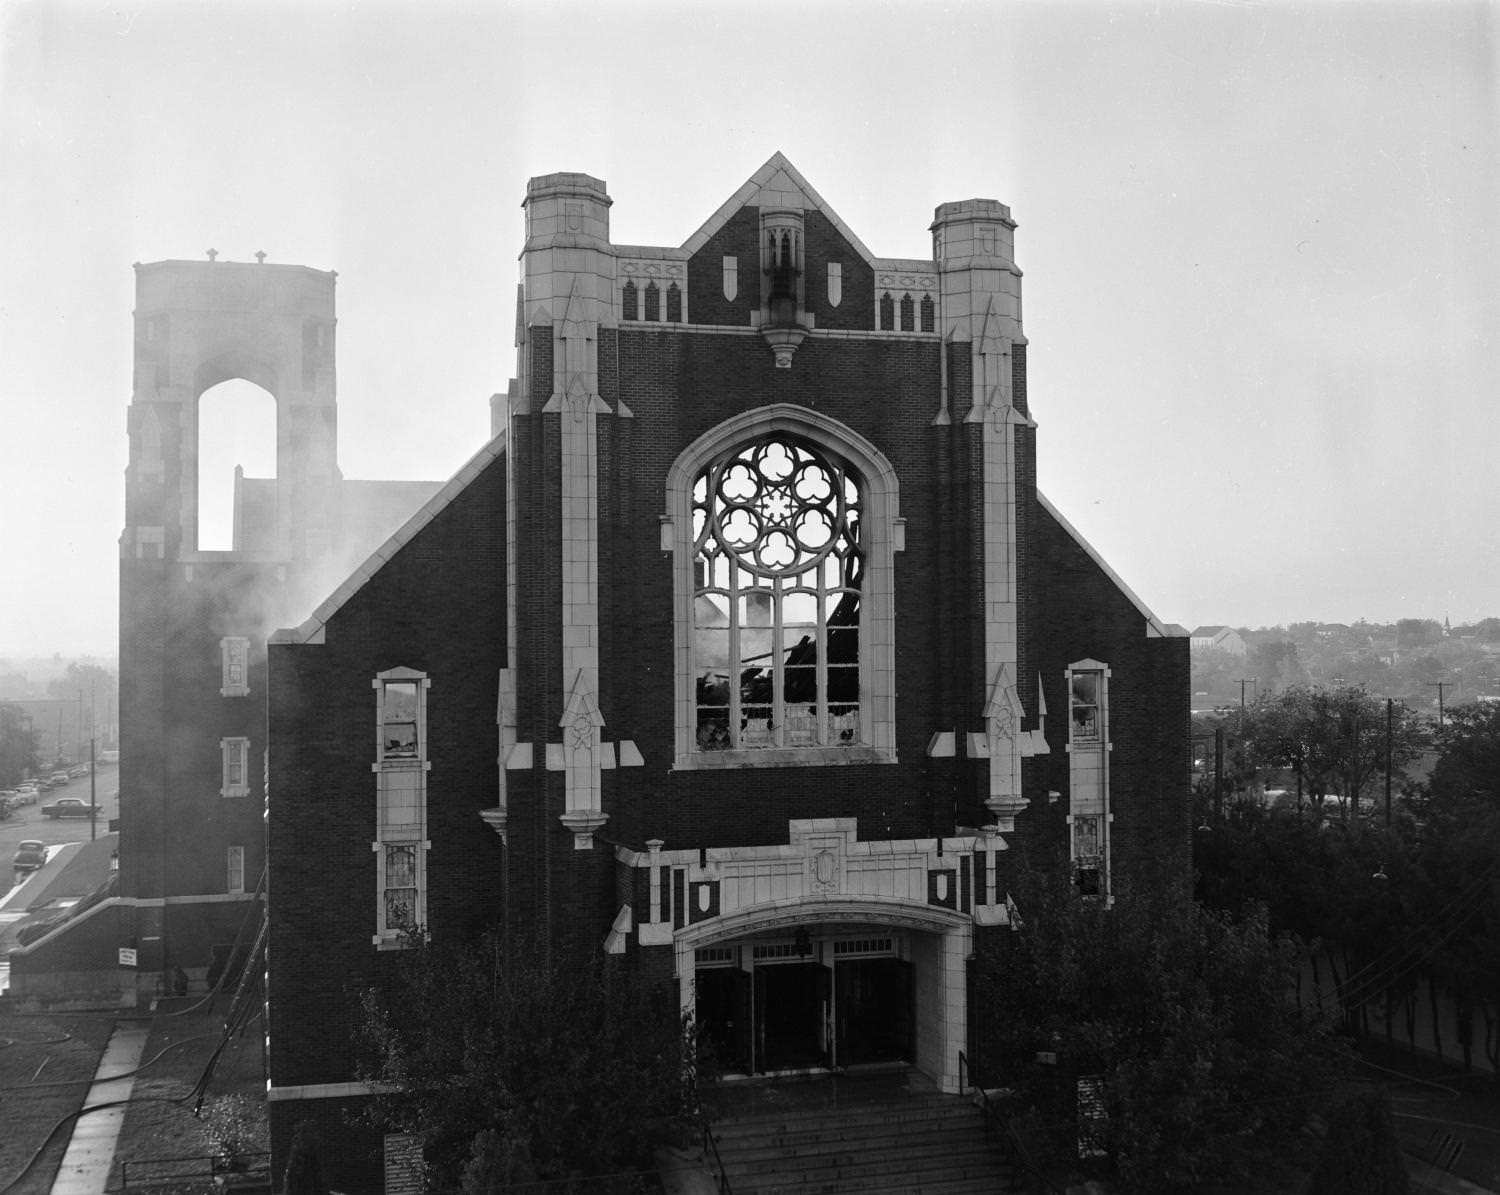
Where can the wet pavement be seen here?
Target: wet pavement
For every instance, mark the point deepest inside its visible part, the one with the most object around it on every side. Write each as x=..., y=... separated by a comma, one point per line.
x=91, y=1149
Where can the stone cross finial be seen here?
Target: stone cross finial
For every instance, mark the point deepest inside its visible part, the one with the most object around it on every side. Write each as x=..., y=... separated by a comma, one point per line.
x=260, y=257
x=213, y=254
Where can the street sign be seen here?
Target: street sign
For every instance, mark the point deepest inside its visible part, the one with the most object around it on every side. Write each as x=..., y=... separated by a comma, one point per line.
x=127, y=956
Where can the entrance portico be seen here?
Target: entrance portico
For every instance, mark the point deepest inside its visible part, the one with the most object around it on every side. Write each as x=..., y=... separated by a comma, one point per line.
x=829, y=985
x=827, y=952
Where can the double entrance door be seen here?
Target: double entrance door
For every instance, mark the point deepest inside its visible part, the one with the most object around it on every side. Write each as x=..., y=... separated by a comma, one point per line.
x=805, y=1014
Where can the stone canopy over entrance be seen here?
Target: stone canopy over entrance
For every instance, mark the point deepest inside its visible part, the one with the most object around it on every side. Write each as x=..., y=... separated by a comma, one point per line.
x=826, y=952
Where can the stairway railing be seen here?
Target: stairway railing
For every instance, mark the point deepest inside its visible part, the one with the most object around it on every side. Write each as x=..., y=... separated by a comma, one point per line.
x=711, y=1148
x=1027, y=1165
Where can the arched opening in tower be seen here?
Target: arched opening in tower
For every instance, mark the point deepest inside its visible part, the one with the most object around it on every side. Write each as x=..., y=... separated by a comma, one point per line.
x=236, y=467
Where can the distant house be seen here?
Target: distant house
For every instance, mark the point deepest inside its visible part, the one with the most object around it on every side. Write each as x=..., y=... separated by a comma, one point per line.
x=1218, y=639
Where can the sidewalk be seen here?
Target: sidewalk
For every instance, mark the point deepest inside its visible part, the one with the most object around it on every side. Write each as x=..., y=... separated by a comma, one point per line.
x=1432, y=1100
x=1428, y=1180
x=91, y=1149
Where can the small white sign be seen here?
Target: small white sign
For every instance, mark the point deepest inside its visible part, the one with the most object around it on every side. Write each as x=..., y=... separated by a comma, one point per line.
x=127, y=956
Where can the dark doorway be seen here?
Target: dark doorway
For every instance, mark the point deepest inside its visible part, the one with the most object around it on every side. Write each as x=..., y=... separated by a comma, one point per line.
x=791, y=1001
x=874, y=1011
x=722, y=1007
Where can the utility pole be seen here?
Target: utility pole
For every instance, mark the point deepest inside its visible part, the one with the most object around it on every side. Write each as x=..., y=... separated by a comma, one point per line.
x=1218, y=775
x=1388, y=717
x=1354, y=780
x=1440, y=685
x=1253, y=682
x=93, y=790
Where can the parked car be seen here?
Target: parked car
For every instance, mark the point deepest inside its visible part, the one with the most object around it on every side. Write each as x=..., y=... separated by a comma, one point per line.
x=78, y=771
x=29, y=793
x=57, y=779
x=30, y=855
x=70, y=807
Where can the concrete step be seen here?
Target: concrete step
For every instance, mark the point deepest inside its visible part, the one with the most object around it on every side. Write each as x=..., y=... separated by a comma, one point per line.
x=771, y=1155
x=986, y=1174
x=991, y=1182
x=911, y=1110
x=920, y=1144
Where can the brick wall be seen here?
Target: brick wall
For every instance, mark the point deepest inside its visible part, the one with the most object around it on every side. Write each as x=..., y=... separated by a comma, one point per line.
x=438, y=606
x=738, y=238
x=1075, y=611
x=824, y=243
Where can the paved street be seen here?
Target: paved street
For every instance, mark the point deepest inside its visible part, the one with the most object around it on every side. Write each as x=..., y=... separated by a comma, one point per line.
x=26, y=821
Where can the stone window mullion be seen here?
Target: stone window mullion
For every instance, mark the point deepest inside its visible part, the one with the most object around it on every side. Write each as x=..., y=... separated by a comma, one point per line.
x=808, y=619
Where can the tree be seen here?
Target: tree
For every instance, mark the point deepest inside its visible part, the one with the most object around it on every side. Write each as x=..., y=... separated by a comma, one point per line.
x=1334, y=739
x=1361, y=1153
x=304, y=1169
x=1488, y=630
x=1456, y=857
x=95, y=687
x=18, y=741
x=1466, y=777
x=573, y=1072
x=82, y=676
x=1391, y=906
x=1214, y=671
x=1417, y=632
x=1277, y=665
x=1187, y=1017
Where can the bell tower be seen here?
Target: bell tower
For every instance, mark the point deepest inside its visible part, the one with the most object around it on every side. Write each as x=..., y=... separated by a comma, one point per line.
x=193, y=674
x=201, y=323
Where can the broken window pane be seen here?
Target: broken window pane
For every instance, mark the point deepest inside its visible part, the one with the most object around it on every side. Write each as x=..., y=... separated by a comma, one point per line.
x=399, y=735
x=777, y=606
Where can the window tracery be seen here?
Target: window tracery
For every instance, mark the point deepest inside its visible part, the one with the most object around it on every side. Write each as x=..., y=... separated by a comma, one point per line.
x=776, y=530
x=783, y=526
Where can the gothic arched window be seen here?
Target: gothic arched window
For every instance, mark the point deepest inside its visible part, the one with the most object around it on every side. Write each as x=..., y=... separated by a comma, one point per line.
x=783, y=534
x=776, y=609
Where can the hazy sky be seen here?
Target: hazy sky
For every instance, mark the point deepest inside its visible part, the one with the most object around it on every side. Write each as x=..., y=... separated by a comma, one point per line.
x=1259, y=243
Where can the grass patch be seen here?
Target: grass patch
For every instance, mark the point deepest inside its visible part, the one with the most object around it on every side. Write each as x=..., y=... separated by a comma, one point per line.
x=160, y=1122
x=48, y=1061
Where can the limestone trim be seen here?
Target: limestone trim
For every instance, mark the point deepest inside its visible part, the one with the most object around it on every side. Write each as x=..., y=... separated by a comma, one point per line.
x=329, y=1091
x=575, y=399
x=1090, y=815
x=401, y=843
x=942, y=967
x=776, y=184
x=630, y=326
x=134, y=902
x=666, y=268
x=993, y=410
x=822, y=863
x=893, y=912
x=883, y=530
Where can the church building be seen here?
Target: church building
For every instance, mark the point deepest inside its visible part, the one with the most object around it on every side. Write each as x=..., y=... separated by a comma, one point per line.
x=746, y=650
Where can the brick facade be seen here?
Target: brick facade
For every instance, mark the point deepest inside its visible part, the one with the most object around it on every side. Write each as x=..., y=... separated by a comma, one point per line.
x=619, y=830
